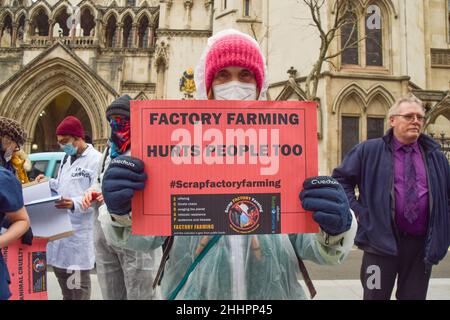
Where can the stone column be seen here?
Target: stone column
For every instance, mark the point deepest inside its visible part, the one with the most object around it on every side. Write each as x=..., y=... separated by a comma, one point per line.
x=187, y=13
x=119, y=30
x=27, y=145
x=14, y=34
x=73, y=31
x=134, y=35
x=26, y=31
x=147, y=33
x=168, y=7
x=207, y=7
x=151, y=35
x=51, y=24
x=98, y=31
x=1, y=32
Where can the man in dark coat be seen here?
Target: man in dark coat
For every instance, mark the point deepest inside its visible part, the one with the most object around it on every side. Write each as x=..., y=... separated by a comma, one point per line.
x=402, y=208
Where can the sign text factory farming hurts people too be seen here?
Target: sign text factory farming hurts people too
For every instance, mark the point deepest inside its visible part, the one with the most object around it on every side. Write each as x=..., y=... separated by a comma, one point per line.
x=231, y=159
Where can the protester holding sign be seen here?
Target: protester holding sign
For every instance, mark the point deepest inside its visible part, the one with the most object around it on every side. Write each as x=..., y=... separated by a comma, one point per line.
x=11, y=207
x=236, y=266
x=72, y=258
x=123, y=274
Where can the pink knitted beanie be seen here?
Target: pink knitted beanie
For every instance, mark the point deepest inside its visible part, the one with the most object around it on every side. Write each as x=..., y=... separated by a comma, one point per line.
x=234, y=51
x=70, y=126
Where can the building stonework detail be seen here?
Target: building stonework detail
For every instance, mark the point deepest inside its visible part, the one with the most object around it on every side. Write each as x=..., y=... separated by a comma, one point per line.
x=75, y=57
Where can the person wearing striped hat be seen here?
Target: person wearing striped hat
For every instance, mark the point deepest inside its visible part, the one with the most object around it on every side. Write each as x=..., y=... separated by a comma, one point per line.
x=12, y=138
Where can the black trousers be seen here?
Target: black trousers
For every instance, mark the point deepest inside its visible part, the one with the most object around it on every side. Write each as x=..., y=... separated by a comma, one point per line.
x=378, y=273
x=72, y=289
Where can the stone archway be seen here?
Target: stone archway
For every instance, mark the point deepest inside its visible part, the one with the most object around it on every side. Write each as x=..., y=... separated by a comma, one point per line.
x=440, y=110
x=438, y=123
x=61, y=106
x=32, y=90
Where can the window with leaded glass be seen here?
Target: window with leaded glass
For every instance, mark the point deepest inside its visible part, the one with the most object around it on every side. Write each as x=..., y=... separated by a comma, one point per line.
x=349, y=40
x=374, y=36
x=375, y=127
x=246, y=8
x=350, y=134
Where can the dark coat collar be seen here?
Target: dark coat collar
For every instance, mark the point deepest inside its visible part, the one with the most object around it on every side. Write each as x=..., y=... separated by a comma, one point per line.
x=426, y=142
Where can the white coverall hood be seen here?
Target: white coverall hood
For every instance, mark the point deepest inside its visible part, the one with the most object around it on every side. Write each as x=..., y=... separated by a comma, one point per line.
x=199, y=75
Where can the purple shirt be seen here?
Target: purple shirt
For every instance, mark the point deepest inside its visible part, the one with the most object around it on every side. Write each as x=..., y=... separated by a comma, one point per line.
x=418, y=227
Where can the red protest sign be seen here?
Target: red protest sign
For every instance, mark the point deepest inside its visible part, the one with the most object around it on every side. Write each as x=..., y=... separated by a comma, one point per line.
x=27, y=266
x=223, y=167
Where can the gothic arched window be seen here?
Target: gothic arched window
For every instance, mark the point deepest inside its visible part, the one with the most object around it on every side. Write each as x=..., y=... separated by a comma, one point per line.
x=87, y=22
x=6, y=32
x=21, y=29
x=359, y=121
x=349, y=39
x=110, y=35
x=61, y=19
x=363, y=35
x=40, y=24
x=127, y=34
x=374, y=36
x=143, y=32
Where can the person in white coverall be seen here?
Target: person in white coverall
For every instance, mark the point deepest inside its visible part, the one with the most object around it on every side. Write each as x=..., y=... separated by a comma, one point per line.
x=235, y=267
x=123, y=274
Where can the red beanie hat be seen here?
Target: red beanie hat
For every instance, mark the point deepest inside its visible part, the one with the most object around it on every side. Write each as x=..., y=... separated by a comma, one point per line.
x=70, y=126
x=234, y=50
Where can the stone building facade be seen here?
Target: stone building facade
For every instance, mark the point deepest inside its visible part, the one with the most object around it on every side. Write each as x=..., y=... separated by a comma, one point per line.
x=74, y=57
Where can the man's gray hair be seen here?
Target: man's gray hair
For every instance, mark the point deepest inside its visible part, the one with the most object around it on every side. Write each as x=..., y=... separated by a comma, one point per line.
x=410, y=98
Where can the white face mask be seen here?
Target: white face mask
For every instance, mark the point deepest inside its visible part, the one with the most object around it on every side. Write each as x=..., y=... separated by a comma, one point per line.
x=235, y=90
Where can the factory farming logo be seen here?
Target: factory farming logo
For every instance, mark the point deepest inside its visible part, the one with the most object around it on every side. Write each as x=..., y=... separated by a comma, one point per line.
x=39, y=265
x=244, y=214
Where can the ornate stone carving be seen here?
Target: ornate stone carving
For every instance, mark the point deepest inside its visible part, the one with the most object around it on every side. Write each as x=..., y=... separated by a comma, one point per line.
x=162, y=54
x=170, y=33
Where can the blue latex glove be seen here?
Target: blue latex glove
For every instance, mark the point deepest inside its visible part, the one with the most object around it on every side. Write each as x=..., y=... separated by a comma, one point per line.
x=123, y=176
x=326, y=198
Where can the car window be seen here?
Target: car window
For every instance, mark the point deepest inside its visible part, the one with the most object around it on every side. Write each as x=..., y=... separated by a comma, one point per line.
x=56, y=169
x=37, y=168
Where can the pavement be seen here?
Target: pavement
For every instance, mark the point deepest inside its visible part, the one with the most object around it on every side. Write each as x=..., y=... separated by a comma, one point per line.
x=332, y=282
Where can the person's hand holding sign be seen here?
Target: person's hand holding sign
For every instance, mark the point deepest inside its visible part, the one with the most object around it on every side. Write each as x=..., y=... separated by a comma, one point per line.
x=326, y=198
x=123, y=176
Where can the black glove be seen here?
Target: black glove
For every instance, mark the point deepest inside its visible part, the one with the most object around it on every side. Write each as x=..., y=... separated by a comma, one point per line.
x=5, y=223
x=328, y=201
x=123, y=176
x=27, y=238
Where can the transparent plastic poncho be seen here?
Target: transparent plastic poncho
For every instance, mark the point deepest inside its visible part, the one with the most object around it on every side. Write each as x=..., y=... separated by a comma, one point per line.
x=238, y=266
